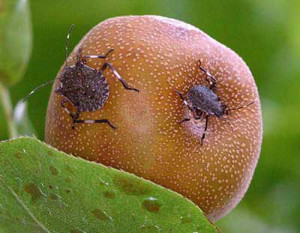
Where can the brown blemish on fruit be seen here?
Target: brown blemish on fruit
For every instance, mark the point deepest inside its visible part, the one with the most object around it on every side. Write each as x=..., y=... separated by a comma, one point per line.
x=157, y=55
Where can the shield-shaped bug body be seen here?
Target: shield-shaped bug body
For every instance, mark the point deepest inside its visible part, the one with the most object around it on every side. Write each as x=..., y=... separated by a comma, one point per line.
x=85, y=87
x=203, y=102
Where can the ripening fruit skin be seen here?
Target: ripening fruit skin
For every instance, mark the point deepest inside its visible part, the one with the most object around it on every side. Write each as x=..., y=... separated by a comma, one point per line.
x=158, y=55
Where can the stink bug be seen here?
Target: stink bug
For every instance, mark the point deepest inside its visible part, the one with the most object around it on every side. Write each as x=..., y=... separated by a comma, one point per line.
x=203, y=102
x=84, y=87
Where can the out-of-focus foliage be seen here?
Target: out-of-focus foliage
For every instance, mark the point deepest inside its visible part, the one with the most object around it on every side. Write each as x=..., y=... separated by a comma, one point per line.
x=15, y=39
x=265, y=33
x=22, y=121
x=3, y=126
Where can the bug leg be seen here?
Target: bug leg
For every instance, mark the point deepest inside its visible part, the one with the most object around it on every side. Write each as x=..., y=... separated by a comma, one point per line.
x=184, y=101
x=212, y=84
x=74, y=117
x=211, y=80
x=95, y=121
x=225, y=107
x=184, y=120
x=205, y=129
x=199, y=116
x=62, y=104
x=99, y=56
x=126, y=86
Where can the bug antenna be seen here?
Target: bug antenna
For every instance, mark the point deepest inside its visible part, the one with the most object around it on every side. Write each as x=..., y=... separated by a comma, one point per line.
x=233, y=109
x=37, y=88
x=67, y=42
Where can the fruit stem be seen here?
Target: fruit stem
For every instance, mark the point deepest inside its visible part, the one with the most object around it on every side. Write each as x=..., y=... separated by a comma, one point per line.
x=6, y=104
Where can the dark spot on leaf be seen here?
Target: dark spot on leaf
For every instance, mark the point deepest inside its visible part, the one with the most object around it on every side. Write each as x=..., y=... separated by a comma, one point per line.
x=131, y=186
x=53, y=170
x=101, y=215
x=34, y=191
x=75, y=230
x=201, y=229
x=68, y=190
x=152, y=205
x=109, y=195
x=68, y=179
x=18, y=155
x=133, y=216
x=149, y=228
x=50, y=153
x=62, y=205
x=69, y=169
x=54, y=196
x=186, y=219
x=50, y=186
x=1, y=7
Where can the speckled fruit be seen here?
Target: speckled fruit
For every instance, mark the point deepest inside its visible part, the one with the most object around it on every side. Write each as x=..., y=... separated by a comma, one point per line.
x=158, y=55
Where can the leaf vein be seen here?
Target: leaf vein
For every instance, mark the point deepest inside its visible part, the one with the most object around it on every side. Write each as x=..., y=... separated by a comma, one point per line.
x=28, y=211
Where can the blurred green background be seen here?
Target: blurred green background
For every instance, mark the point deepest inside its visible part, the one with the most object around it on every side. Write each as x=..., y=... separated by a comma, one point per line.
x=266, y=33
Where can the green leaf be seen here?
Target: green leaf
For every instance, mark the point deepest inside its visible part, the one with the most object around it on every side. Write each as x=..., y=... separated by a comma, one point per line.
x=44, y=190
x=15, y=39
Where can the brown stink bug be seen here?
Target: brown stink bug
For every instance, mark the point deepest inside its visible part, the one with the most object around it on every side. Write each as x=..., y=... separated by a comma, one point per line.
x=203, y=102
x=84, y=87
